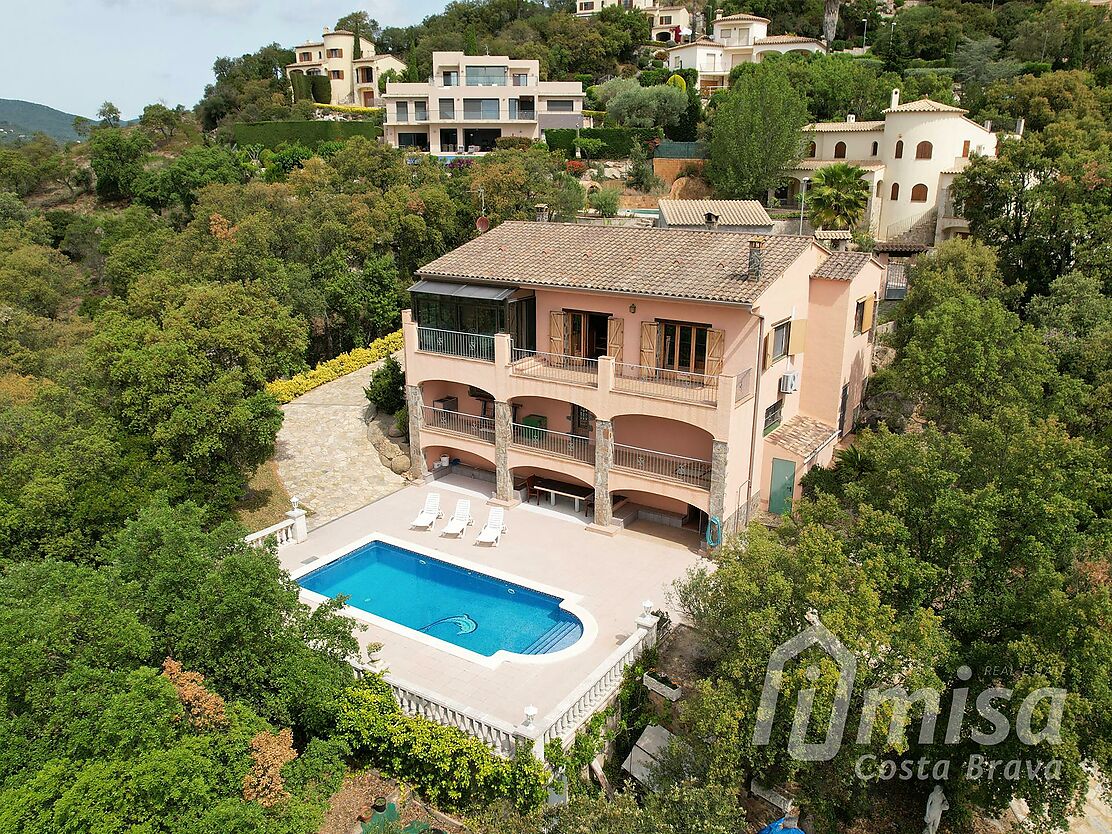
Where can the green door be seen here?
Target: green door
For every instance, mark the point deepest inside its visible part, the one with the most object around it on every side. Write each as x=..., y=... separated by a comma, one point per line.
x=782, y=486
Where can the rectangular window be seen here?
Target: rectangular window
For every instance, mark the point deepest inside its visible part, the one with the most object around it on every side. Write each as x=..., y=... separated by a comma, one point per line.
x=401, y=110
x=486, y=76
x=447, y=108
x=451, y=78
x=586, y=7
x=335, y=53
x=337, y=75
x=965, y=148
x=421, y=111
x=683, y=347
x=773, y=414
x=561, y=105
x=665, y=20
x=480, y=109
x=420, y=141
x=521, y=79
x=305, y=56
x=842, y=410
x=859, y=318
x=781, y=336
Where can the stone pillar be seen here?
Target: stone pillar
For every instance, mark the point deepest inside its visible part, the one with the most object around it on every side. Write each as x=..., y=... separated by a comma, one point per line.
x=503, y=430
x=717, y=503
x=297, y=515
x=415, y=404
x=604, y=459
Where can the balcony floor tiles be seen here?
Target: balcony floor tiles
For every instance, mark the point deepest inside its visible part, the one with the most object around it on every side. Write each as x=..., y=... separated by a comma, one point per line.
x=611, y=575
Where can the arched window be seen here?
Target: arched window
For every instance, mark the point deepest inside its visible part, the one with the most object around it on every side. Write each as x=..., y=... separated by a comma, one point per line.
x=876, y=148
x=812, y=151
x=879, y=186
x=840, y=150
x=924, y=150
x=919, y=193
x=900, y=149
x=895, y=191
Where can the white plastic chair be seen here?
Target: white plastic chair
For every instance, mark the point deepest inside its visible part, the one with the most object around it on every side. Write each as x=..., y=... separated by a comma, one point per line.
x=460, y=519
x=430, y=513
x=492, y=532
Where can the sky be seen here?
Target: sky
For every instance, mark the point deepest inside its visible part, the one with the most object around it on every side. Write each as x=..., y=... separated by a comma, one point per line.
x=74, y=55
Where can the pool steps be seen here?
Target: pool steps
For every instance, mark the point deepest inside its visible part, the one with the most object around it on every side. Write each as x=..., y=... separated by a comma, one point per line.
x=553, y=638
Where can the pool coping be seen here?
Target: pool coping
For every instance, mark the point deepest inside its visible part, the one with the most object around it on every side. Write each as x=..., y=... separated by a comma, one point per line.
x=569, y=602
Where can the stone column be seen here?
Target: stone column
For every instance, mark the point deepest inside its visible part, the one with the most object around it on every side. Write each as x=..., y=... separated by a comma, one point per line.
x=717, y=503
x=503, y=430
x=604, y=459
x=415, y=403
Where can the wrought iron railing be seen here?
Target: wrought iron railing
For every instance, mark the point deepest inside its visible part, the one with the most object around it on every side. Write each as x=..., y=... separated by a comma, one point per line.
x=555, y=366
x=680, y=468
x=470, y=425
x=454, y=343
x=554, y=442
x=662, y=382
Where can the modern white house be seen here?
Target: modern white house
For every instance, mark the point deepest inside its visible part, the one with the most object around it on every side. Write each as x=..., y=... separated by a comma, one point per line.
x=472, y=100
x=736, y=39
x=910, y=158
x=354, y=79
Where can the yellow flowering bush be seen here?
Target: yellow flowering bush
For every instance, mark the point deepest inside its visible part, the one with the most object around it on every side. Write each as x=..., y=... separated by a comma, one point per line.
x=351, y=108
x=285, y=390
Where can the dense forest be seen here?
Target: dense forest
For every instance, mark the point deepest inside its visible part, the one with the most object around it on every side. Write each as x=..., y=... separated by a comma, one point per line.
x=156, y=674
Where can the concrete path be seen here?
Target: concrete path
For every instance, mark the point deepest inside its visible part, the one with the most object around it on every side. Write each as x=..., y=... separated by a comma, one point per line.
x=323, y=455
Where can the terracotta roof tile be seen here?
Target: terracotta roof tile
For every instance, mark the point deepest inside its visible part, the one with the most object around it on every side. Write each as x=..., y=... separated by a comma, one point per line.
x=730, y=212
x=842, y=266
x=833, y=127
x=803, y=436
x=732, y=18
x=816, y=164
x=787, y=39
x=924, y=105
x=673, y=263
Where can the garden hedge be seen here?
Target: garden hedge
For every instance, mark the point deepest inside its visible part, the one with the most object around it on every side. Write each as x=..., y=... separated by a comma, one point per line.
x=302, y=87
x=616, y=141
x=308, y=133
x=322, y=88
x=285, y=390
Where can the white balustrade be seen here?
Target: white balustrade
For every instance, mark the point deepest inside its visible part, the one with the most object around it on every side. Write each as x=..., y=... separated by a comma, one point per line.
x=283, y=531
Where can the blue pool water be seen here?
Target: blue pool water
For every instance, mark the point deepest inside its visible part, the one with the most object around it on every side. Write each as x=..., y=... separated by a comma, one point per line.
x=463, y=607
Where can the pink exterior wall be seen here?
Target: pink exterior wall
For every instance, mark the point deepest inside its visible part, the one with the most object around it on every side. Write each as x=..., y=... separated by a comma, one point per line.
x=433, y=453
x=435, y=389
x=558, y=412
x=657, y=502
x=662, y=435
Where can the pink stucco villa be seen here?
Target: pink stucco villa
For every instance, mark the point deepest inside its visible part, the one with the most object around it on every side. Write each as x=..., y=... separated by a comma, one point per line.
x=689, y=377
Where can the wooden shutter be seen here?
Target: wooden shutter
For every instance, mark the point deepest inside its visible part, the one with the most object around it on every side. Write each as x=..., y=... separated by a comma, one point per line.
x=867, y=318
x=556, y=331
x=796, y=336
x=770, y=347
x=615, y=338
x=716, y=347
x=648, y=344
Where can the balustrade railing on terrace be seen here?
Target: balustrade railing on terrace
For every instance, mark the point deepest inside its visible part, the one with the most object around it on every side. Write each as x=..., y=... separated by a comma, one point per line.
x=470, y=425
x=663, y=465
x=454, y=343
x=661, y=382
x=283, y=533
x=554, y=442
x=555, y=366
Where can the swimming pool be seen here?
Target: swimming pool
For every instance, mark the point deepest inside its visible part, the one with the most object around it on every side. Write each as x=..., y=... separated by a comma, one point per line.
x=453, y=603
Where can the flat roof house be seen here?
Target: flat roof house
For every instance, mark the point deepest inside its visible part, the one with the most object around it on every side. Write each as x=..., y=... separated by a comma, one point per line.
x=471, y=101
x=689, y=377
x=354, y=80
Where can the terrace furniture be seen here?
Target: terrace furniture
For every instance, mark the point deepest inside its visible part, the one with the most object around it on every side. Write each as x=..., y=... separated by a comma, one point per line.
x=430, y=513
x=460, y=519
x=534, y=427
x=496, y=525
x=553, y=488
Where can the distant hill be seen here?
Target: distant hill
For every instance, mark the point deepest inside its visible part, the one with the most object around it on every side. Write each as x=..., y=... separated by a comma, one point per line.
x=25, y=118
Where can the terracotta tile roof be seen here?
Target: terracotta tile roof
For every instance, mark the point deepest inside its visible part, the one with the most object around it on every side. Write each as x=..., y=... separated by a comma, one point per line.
x=842, y=266
x=787, y=39
x=816, y=164
x=833, y=234
x=673, y=263
x=803, y=436
x=738, y=18
x=924, y=105
x=730, y=212
x=702, y=40
x=826, y=127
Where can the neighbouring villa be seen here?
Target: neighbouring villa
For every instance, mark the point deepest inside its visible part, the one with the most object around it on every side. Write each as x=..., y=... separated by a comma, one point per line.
x=471, y=101
x=735, y=39
x=668, y=23
x=745, y=216
x=354, y=78
x=688, y=377
x=910, y=159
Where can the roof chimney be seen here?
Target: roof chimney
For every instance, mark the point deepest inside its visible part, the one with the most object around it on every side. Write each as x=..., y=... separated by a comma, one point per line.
x=717, y=14
x=542, y=212
x=895, y=97
x=988, y=124
x=1020, y=123
x=851, y=118
x=711, y=219
x=756, y=253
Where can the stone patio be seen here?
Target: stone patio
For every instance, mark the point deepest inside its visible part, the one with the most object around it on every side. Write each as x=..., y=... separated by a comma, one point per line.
x=324, y=457
x=611, y=576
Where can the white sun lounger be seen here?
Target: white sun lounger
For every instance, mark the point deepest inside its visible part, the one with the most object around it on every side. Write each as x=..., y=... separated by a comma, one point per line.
x=460, y=519
x=430, y=513
x=495, y=527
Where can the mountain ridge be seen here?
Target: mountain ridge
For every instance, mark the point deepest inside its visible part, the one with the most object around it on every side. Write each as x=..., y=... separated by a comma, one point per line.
x=23, y=119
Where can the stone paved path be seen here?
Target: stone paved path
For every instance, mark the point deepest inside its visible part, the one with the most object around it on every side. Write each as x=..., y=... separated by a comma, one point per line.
x=323, y=455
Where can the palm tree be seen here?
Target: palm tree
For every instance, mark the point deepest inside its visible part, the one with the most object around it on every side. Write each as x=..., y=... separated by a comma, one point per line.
x=838, y=196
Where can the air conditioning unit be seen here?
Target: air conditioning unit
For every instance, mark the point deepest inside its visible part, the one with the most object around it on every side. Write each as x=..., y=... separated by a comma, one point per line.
x=789, y=382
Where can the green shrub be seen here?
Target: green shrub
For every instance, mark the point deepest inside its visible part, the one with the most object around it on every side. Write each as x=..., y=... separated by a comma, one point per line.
x=322, y=88
x=308, y=133
x=285, y=390
x=616, y=140
x=401, y=420
x=513, y=143
x=605, y=201
x=450, y=768
x=387, y=388
x=302, y=87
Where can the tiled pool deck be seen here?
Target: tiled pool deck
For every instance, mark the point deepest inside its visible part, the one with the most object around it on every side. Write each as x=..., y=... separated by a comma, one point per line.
x=610, y=575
